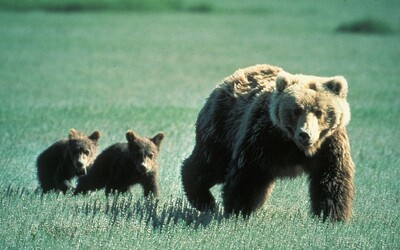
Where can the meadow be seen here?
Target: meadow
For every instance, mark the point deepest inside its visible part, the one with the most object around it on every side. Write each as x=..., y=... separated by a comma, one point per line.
x=150, y=70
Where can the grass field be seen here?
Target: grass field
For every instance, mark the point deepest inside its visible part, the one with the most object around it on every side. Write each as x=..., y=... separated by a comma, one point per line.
x=151, y=71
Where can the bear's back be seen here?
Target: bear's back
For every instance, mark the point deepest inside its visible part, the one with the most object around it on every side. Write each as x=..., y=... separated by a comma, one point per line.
x=48, y=162
x=111, y=157
x=51, y=156
x=113, y=153
x=250, y=81
x=220, y=118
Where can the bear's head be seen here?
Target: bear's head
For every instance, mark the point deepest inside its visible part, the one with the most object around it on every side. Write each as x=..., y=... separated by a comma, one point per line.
x=82, y=149
x=144, y=151
x=308, y=109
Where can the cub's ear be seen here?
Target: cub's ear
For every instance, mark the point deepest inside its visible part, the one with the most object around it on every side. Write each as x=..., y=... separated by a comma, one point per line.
x=95, y=136
x=131, y=136
x=72, y=133
x=283, y=80
x=157, y=139
x=337, y=85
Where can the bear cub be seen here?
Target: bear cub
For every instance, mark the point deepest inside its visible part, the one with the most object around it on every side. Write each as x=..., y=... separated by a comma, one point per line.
x=66, y=159
x=122, y=165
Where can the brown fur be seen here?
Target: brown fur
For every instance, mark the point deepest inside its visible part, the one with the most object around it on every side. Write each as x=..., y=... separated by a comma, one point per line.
x=122, y=165
x=66, y=159
x=262, y=123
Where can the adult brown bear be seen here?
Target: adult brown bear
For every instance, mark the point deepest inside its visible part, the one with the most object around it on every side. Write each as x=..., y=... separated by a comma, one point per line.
x=261, y=124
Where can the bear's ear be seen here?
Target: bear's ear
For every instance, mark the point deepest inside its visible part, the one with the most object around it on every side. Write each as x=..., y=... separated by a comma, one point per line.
x=95, y=136
x=283, y=80
x=157, y=139
x=337, y=85
x=72, y=133
x=131, y=136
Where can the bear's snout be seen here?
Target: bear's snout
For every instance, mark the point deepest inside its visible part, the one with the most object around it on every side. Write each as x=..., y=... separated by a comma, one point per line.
x=304, y=138
x=81, y=163
x=81, y=168
x=82, y=171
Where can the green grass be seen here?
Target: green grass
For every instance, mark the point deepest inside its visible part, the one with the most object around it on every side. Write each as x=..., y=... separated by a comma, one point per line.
x=107, y=5
x=91, y=5
x=151, y=71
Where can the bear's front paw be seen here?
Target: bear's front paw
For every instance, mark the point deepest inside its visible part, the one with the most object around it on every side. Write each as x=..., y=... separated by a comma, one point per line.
x=331, y=211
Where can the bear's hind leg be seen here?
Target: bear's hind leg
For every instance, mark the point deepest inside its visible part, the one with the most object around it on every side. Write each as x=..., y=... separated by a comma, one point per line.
x=197, y=179
x=48, y=184
x=47, y=188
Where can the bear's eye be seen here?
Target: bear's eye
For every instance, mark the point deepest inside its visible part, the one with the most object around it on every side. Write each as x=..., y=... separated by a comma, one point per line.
x=297, y=111
x=318, y=113
x=150, y=155
x=86, y=152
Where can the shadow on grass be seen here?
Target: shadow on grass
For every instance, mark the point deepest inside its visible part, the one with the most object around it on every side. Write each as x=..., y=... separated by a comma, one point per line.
x=155, y=214
x=366, y=25
x=151, y=212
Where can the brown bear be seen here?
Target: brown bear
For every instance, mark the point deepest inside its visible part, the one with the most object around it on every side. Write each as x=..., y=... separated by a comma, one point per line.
x=261, y=124
x=122, y=165
x=66, y=159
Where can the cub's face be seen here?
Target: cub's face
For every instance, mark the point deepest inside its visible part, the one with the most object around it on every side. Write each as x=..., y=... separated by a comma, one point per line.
x=144, y=151
x=309, y=109
x=82, y=150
